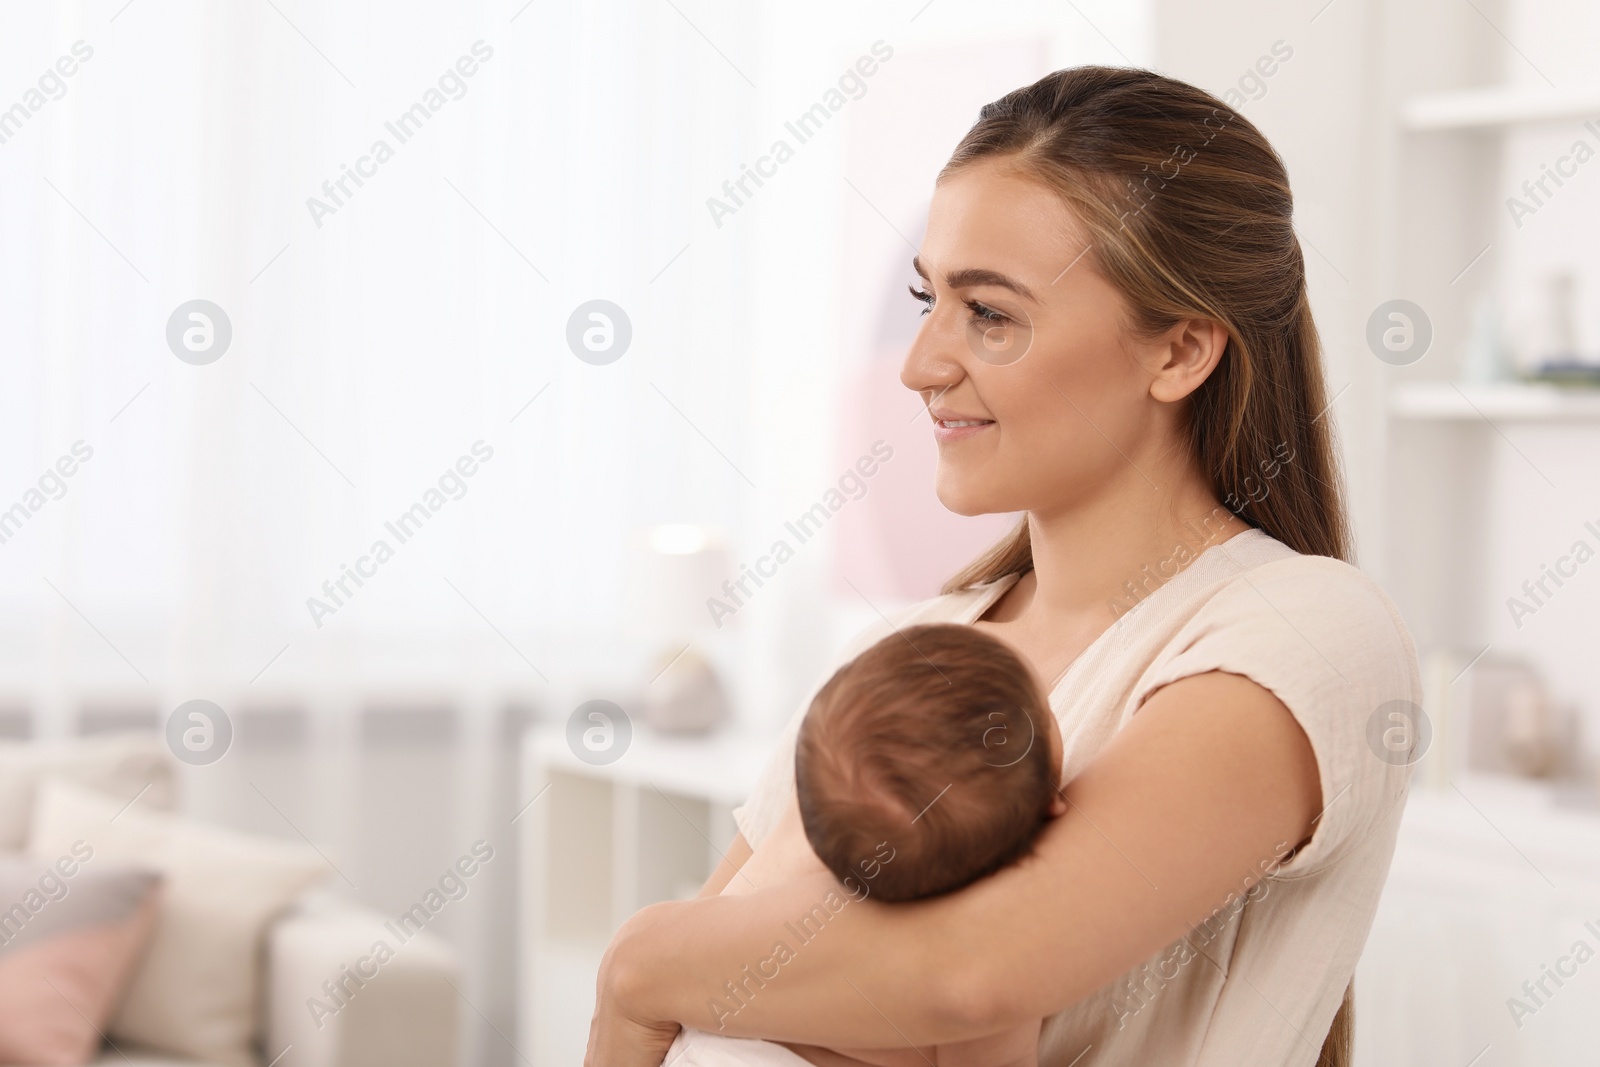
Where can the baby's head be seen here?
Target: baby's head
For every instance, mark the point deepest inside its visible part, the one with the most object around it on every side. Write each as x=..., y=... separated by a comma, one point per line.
x=938, y=741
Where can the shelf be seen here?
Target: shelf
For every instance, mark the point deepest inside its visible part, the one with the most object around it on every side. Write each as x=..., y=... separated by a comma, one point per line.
x=1510, y=401
x=721, y=767
x=1451, y=841
x=1493, y=107
x=599, y=842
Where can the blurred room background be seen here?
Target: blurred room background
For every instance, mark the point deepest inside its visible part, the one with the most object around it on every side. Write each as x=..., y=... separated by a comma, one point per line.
x=432, y=316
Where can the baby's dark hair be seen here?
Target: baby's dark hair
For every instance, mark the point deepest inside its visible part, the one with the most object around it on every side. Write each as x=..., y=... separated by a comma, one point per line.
x=934, y=740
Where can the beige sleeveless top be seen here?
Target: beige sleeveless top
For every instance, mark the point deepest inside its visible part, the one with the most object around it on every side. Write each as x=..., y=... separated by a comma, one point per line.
x=1258, y=982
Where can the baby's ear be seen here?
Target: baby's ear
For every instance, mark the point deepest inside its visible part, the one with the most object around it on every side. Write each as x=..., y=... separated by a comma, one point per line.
x=1058, y=805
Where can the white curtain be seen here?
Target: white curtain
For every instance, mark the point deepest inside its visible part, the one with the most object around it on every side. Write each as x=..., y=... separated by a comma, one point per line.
x=158, y=152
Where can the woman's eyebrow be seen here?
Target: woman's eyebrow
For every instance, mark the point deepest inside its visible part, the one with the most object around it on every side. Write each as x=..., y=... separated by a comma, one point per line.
x=971, y=276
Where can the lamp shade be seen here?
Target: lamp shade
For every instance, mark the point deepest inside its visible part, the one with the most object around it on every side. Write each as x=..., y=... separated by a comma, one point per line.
x=673, y=571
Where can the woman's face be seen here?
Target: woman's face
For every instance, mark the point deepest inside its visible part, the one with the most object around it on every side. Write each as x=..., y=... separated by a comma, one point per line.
x=1040, y=395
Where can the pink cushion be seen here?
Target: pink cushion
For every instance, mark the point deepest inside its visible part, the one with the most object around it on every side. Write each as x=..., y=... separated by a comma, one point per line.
x=68, y=943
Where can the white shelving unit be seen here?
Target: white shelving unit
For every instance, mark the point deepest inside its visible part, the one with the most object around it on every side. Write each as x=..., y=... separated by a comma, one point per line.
x=1492, y=881
x=1509, y=401
x=601, y=842
x=1482, y=475
x=1498, y=107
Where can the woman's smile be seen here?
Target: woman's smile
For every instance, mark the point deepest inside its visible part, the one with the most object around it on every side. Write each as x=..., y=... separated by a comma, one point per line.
x=949, y=426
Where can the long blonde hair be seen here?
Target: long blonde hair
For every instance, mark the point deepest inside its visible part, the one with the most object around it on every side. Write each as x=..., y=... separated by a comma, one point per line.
x=1189, y=215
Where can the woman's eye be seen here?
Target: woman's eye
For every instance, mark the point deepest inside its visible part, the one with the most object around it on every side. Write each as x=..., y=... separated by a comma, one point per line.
x=984, y=313
x=980, y=312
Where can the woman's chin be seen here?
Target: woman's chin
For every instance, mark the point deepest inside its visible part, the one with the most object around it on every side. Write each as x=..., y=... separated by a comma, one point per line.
x=965, y=499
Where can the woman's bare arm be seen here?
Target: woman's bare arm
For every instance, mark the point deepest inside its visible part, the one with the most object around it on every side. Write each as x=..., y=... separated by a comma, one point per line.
x=1212, y=778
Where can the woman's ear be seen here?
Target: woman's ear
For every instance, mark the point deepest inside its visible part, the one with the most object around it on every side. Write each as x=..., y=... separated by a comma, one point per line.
x=1185, y=357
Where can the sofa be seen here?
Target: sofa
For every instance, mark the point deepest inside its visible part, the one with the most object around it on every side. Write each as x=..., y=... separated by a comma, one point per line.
x=406, y=1015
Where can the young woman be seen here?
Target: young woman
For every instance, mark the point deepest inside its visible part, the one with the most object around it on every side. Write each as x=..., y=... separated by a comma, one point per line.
x=1119, y=343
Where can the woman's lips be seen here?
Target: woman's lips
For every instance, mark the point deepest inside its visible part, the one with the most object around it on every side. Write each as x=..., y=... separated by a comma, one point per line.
x=951, y=429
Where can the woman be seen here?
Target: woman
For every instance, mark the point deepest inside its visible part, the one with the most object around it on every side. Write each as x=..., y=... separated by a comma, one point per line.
x=1118, y=342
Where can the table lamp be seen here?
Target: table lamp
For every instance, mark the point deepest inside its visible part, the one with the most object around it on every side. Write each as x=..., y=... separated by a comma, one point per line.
x=676, y=568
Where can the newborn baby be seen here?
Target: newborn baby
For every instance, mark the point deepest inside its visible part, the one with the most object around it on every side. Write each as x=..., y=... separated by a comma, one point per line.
x=929, y=761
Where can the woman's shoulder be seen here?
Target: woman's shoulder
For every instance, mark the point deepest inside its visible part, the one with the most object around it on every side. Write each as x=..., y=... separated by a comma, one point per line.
x=1339, y=593
x=1308, y=623
x=1325, y=639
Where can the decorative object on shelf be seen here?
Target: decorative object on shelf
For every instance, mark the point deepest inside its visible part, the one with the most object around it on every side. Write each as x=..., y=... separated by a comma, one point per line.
x=1566, y=372
x=1561, y=290
x=1555, y=351
x=1514, y=727
x=684, y=695
x=1484, y=359
x=1531, y=739
x=1442, y=703
x=676, y=569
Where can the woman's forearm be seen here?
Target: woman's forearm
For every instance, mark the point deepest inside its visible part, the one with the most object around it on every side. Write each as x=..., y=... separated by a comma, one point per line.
x=803, y=962
x=1177, y=814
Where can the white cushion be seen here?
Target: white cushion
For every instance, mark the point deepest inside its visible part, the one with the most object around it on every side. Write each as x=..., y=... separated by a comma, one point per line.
x=194, y=993
x=117, y=764
x=123, y=1055
x=405, y=1016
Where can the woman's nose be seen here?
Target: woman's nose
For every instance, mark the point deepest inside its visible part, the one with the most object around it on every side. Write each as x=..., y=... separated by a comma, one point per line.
x=929, y=366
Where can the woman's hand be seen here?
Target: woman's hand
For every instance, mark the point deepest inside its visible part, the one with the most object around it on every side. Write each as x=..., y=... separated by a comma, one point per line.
x=615, y=1038
x=618, y=1041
